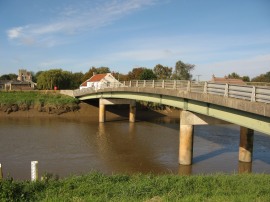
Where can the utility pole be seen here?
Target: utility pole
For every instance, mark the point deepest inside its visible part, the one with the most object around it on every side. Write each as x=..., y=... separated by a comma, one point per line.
x=198, y=78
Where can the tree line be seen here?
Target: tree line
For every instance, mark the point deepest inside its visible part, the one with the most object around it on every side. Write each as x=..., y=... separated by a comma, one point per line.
x=67, y=80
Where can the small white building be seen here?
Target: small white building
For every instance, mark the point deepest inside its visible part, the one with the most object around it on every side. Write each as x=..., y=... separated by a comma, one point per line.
x=99, y=80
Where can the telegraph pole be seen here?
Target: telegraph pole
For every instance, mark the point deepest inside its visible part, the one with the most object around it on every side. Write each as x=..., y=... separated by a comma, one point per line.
x=198, y=77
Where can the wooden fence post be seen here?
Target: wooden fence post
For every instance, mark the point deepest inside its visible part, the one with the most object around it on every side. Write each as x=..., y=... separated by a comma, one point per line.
x=153, y=85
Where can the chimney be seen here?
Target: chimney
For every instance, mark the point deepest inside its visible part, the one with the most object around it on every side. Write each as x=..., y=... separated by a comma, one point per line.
x=94, y=73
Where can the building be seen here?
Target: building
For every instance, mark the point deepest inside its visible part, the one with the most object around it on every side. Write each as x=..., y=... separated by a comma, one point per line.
x=3, y=84
x=99, y=80
x=19, y=85
x=24, y=75
x=23, y=82
x=227, y=80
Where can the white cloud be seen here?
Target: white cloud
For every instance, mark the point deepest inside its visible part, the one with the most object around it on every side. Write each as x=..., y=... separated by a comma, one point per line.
x=14, y=32
x=71, y=21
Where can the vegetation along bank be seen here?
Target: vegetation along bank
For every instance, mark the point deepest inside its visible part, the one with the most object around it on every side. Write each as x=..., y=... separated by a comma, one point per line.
x=43, y=101
x=99, y=187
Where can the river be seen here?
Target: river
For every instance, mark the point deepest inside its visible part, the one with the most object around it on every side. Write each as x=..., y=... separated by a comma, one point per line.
x=65, y=147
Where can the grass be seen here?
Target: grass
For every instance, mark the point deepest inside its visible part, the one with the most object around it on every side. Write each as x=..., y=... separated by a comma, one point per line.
x=99, y=187
x=35, y=98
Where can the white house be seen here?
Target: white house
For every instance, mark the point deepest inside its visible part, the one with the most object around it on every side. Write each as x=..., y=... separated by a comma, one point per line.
x=99, y=80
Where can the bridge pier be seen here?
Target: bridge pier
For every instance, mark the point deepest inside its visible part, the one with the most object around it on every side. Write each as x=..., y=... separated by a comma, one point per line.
x=132, y=113
x=104, y=102
x=246, y=144
x=186, y=144
x=187, y=122
x=102, y=113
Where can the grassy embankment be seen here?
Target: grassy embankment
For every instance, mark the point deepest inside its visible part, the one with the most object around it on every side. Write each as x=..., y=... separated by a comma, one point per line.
x=43, y=101
x=99, y=187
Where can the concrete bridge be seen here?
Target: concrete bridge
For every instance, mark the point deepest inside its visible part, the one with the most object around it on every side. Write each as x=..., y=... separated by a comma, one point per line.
x=201, y=103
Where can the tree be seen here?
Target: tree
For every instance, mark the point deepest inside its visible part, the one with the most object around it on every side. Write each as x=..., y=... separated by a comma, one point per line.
x=147, y=74
x=135, y=73
x=92, y=70
x=76, y=80
x=262, y=78
x=246, y=78
x=9, y=77
x=162, y=72
x=182, y=71
x=234, y=76
x=54, y=77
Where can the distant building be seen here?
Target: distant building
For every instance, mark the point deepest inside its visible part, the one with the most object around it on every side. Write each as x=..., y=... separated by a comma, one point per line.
x=19, y=85
x=99, y=80
x=3, y=83
x=23, y=82
x=24, y=75
x=227, y=80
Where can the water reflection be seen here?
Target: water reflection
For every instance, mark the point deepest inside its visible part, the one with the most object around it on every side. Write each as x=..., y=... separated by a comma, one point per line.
x=185, y=170
x=244, y=167
x=67, y=147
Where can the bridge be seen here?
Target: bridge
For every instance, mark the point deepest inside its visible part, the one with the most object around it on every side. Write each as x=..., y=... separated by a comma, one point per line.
x=201, y=103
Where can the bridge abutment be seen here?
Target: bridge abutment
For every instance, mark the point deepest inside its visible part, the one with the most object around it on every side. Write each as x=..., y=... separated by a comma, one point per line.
x=104, y=102
x=246, y=144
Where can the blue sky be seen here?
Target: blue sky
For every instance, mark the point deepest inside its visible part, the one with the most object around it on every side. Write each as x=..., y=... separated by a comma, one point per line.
x=218, y=36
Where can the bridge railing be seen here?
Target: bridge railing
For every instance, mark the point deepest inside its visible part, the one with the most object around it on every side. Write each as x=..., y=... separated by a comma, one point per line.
x=247, y=92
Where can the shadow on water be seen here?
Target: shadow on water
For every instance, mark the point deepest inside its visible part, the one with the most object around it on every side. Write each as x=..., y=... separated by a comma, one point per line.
x=227, y=137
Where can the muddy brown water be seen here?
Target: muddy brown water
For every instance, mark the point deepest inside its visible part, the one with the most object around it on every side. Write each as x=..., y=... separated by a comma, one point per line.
x=76, y=146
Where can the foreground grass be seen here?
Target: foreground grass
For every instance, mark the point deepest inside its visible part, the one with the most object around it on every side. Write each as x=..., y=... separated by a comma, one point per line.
x=100, y=187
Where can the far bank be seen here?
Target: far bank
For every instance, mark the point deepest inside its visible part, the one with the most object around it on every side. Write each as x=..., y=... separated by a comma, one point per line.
x=49, y=104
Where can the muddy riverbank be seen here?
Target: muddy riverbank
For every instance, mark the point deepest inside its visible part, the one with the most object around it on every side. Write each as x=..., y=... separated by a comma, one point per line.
x=90, y=111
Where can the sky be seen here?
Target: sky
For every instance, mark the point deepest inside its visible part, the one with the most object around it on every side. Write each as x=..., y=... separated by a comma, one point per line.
x=217, y=36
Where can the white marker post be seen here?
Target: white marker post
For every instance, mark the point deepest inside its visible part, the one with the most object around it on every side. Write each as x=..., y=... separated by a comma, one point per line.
x=34, y=171
x=1, y=172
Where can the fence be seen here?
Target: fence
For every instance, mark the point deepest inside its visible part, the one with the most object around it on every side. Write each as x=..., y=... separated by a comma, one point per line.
x=246, y=92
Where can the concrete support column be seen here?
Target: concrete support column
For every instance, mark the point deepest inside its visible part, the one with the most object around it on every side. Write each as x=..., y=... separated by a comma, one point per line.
x=186, y=144
x=102, y=113
x=246, y=144
x=132, y=113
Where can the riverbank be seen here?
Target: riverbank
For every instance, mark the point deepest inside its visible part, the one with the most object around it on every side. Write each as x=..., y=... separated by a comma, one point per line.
x=99, y=187
x=49, y=104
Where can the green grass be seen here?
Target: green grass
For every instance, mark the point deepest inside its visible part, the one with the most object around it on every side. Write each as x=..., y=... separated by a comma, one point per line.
x=35, y=98
x=99, y=187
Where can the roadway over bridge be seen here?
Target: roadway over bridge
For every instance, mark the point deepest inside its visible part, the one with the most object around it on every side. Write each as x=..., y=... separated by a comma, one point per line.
x=202, y=103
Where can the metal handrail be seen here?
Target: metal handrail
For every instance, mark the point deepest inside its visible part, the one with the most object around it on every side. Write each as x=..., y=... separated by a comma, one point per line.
x=245, y=92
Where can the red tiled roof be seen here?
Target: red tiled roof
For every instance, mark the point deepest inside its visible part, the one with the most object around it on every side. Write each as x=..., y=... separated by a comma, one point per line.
x=94, y=78
x=227, y=80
